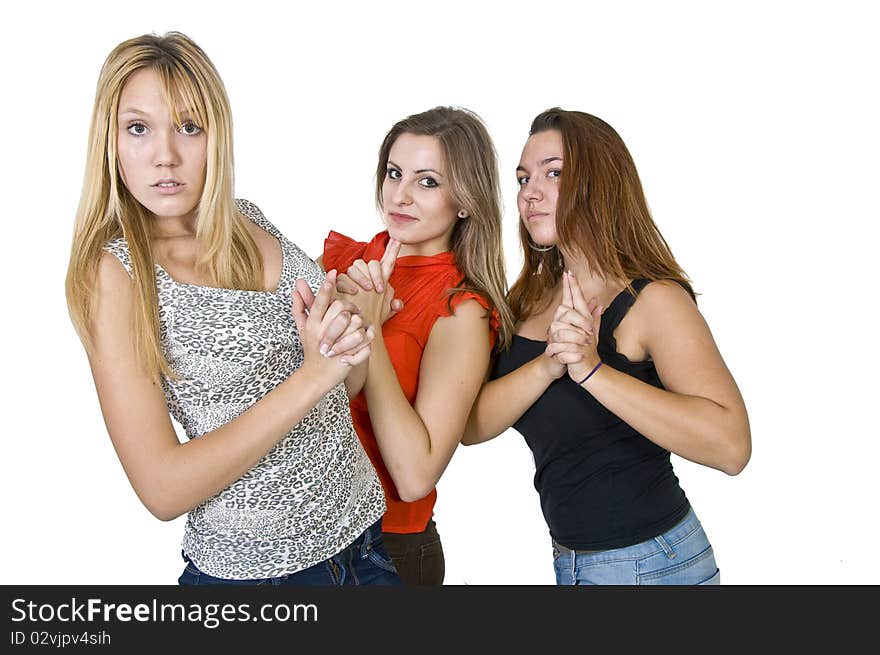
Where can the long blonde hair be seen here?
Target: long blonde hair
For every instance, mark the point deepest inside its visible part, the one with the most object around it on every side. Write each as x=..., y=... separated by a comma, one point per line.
x=473, y=171
x=601, y=212
x=227, y=254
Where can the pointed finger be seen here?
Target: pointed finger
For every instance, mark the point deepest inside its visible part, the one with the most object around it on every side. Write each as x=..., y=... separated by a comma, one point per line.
x=298, y=310
x=566, y=290
x=577, y=296
x=390, y=257
x=324, y=297
x=305, y=294
x=377, y=276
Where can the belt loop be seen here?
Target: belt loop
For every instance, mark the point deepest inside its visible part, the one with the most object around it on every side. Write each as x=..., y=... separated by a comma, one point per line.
x=665, y=546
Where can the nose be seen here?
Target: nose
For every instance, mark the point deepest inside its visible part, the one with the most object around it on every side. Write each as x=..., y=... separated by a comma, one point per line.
x=532, y=191
x=166, y=153
x=400, y=194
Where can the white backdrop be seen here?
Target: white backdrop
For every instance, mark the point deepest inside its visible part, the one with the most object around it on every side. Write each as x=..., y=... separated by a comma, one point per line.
x=754, y=128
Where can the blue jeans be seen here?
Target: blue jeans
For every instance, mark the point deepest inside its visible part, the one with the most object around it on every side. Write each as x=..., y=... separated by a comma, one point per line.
x=680, y=556
x=364, y=562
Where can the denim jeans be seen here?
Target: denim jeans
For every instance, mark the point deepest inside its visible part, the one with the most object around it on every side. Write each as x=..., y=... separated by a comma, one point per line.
x=364, y=562
x=679, y=556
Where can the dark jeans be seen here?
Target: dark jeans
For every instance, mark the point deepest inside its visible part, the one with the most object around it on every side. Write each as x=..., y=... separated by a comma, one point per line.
x=418, y=557
x=364, y=562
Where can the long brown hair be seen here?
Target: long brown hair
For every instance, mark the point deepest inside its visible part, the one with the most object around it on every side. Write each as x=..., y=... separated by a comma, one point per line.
x=601, y=211
x=227, y=253
x=473, y=171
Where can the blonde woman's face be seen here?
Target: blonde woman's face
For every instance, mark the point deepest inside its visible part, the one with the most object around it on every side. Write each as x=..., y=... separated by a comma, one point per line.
x=417, y=201
x=538, y=178
x=162, y=163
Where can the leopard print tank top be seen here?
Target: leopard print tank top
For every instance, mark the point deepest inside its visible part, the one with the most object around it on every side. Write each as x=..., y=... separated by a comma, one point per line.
x=316, y=491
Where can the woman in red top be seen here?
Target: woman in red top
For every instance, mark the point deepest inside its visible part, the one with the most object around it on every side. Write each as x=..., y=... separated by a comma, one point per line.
x=437, y=187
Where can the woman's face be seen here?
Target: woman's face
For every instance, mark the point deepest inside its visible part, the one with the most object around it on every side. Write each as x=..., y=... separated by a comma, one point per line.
x=417, y=201
x=162, y=164
x=538, y=179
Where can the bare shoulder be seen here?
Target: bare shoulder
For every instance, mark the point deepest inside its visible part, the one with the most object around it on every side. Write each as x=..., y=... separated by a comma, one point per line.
x=468, y=321
x=469, y=309
x=111, y=276
x=662, y=311
x=664, y=301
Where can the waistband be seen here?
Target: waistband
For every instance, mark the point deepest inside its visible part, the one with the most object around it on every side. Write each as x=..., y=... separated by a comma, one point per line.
x=680, y=530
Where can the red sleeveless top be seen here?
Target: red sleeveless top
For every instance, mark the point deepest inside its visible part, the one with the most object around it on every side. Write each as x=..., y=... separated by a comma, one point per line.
x=422, y=284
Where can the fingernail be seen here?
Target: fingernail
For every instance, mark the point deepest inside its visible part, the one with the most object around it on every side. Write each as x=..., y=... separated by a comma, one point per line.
x=330, y=353
x=323, y=349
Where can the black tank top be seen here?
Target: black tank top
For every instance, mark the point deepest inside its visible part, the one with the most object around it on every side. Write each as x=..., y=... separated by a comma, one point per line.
x=602, y=484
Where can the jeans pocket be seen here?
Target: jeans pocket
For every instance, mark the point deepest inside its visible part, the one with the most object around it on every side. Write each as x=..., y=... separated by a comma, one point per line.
x=699, y=568
x=377, y=555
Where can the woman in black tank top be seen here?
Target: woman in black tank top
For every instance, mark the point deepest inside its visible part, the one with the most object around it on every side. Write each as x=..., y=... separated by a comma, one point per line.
x=611, y=369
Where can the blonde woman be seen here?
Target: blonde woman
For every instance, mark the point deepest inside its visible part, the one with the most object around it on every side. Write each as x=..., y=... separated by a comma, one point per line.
x=611, y=369
x=193, y=303
x=437, y=189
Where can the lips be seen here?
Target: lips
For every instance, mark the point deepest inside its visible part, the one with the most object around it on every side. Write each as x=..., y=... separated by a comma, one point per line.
x=167, y=184
x=168, y=187
x=401, y=218
x=532, y=216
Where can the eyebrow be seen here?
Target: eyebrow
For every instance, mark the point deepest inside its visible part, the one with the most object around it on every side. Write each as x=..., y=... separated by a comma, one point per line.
x=421, y=170
x=131, y=110
x=543, y=162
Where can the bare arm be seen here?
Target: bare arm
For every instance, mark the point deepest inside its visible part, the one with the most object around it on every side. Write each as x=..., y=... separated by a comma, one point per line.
x=501, y=402
x=171, y=478
x=700, y=415
x=417, y=441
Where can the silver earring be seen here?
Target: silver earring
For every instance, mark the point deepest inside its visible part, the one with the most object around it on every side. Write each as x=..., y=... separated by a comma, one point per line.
x=462, y=213
x=538, y=248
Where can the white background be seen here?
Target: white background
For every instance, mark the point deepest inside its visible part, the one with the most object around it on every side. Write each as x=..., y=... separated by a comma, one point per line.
x=754, y=128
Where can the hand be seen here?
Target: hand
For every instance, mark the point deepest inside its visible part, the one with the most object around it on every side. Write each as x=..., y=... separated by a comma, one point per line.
x=345, y=320
x=372, y=275
x=550, y=363
x=331, y=332
x=368, y=283
x=574, y=333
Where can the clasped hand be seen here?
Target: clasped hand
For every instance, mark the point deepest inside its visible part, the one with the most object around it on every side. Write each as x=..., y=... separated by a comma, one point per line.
x=573, y=336
x=333, y=333
x=366, y=286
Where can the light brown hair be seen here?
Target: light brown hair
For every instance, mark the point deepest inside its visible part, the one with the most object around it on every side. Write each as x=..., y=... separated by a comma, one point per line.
x=473, y=172
x=601, y=211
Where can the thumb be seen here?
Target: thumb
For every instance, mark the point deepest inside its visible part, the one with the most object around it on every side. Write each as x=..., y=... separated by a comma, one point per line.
x=298, y=310
x=396, y=306
x=305, y=293
x=596, y=313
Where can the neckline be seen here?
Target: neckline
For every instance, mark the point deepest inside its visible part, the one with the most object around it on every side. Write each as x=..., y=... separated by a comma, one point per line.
x=202, y=287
